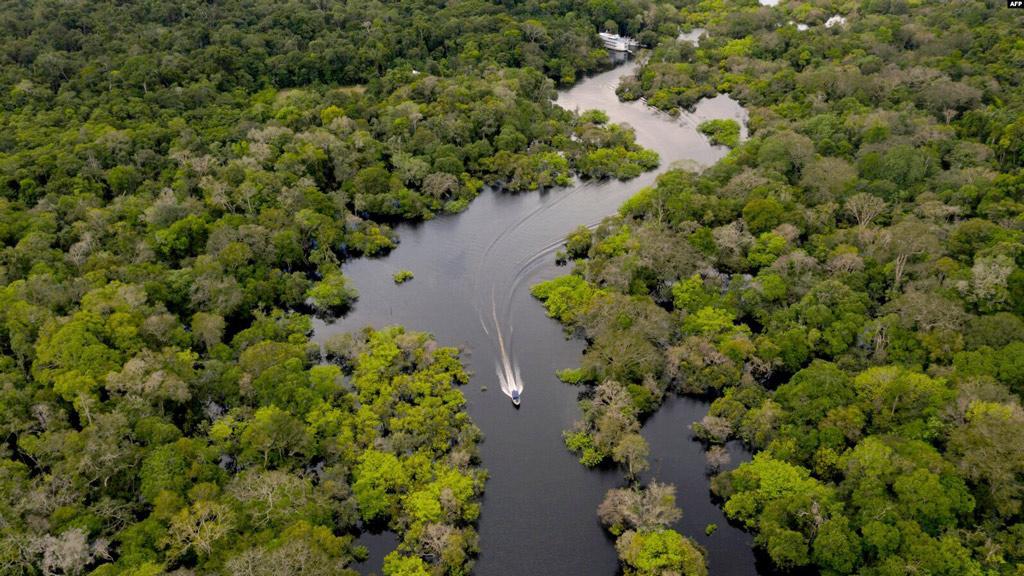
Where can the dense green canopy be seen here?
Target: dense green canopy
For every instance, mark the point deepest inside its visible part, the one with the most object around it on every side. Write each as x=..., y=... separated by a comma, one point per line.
x=847, y=284
x=180, y=183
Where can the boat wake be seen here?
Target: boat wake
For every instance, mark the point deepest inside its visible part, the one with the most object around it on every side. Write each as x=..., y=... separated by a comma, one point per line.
x=506, y=368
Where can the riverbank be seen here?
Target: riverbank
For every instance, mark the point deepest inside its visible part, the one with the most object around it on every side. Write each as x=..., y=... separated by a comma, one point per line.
x=539, y=504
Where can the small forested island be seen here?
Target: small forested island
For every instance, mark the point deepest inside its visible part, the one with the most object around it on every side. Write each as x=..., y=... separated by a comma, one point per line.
x=724, y=132
x=182, y=184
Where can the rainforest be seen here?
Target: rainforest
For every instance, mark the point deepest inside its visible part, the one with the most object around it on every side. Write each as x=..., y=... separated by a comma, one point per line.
x=271, y=272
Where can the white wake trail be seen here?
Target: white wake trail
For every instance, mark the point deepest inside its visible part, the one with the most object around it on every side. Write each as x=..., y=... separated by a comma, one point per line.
x=507, y=370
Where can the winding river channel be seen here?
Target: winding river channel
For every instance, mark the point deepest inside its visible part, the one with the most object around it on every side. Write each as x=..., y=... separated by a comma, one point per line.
x=473, y=272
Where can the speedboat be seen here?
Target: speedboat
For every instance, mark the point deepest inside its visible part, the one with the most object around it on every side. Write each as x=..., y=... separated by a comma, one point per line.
x=515, y=398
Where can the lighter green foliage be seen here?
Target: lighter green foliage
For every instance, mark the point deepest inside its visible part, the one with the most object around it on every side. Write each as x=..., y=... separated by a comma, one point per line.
x=710, y=321
x=897, y=397
x=766, y=481
x=721, y=131
x=565, y=298
x=380, y=479
x=660, y=552
x=766, y=249
x=332, y=293
x=689, y=294
x=397, y=565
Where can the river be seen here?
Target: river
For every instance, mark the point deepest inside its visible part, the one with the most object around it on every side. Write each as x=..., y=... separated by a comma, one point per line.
x=473, y=272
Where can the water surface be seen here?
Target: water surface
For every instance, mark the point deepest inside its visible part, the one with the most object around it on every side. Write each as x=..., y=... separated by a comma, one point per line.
x=693, y=36
x=472, y=276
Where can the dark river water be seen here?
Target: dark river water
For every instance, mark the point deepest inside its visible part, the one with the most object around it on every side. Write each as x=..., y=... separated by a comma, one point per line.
x=473, y=272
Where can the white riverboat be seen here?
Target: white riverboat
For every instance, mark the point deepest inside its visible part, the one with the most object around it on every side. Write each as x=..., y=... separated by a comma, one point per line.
x=618, y=43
